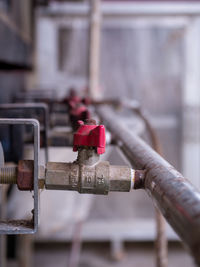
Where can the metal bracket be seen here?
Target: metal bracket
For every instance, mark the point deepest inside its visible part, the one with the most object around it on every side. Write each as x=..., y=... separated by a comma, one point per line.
x=33, y=106
x=14, y=227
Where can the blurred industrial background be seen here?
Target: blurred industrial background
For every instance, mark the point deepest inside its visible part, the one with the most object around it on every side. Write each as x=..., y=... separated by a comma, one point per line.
x=137, y=62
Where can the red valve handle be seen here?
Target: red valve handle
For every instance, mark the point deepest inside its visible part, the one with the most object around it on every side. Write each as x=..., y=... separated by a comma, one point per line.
x=91, y=136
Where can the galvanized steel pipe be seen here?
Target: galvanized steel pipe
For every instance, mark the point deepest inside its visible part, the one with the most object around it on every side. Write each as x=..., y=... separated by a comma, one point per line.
x=175, y=196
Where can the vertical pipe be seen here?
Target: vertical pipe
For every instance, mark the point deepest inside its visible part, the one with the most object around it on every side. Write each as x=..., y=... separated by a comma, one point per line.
x=94, y=48
x=161, y=241
x=25, y=250
x=76, y=246
x=161, y=244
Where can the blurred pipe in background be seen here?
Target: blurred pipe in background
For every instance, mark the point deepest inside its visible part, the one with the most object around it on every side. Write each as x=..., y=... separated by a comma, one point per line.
x=76, y=246
x=94, y=48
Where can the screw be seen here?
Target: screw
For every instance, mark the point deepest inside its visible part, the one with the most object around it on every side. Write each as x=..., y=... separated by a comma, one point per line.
x=8, y=175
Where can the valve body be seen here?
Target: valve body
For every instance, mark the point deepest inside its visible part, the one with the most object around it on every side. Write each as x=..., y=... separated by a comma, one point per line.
x=99, y=178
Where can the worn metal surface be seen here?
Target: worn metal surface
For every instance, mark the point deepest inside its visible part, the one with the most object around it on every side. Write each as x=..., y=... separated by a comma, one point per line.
x=25, y=175
x=8, y=175
x=24, y=226
x=33, y=106
x=86, y=175
x=88, y=156
x=99, y=178
x=22, y=175
x=176, y=198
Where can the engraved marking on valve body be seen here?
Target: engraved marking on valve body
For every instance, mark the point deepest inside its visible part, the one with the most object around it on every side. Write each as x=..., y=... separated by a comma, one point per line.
x=94, y=178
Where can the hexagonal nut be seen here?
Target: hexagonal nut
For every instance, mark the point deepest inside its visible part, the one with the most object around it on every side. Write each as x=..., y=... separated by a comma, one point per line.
x=25, y=175
x=120, y=178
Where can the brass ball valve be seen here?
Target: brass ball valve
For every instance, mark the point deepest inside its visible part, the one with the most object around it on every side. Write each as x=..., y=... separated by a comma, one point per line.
x=87, y=174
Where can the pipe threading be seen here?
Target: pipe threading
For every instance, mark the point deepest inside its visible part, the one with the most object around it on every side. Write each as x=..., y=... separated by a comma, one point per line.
x=8, y=175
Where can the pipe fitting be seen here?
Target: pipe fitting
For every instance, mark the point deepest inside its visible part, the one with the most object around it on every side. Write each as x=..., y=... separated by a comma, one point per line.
x=96, y=179
x=84, y=175
x=139, y=179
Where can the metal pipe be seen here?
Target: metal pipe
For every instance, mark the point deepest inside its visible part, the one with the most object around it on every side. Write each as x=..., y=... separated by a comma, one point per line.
x=175, y=196
x=153, y=8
